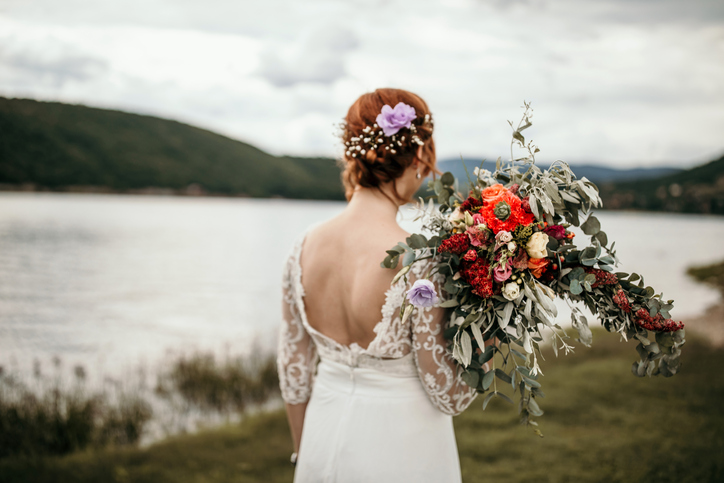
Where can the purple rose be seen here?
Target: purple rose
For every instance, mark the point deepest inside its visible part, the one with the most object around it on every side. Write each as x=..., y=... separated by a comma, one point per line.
x=501, y=273
x=422, y=293
x=392, y=120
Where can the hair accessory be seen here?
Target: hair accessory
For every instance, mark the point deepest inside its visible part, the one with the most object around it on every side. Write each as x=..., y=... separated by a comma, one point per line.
x=385, y=131
x=392, y=120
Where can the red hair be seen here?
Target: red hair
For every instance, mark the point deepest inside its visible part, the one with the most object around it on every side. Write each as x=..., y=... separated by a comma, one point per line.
x=379, y=166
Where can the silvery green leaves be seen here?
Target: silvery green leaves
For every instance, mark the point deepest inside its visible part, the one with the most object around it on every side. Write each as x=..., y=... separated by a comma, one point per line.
x=416, y=247
x=578, y=280
x=660, y=357
x=445, y=189
x=512, y=364
x=580, y=323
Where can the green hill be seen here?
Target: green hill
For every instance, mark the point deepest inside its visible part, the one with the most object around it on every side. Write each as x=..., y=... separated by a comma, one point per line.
x=63, y=147
x=697, y=190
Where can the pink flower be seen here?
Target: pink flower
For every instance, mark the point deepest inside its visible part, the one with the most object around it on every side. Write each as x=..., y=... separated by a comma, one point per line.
x=392, y=120
x=504, y=236
x=470, y=256
x=502, y=272
x=520, y=261
x=477, y=237
x=478, y=219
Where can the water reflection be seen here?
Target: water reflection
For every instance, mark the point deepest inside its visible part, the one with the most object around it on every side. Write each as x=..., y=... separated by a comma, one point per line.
x=114, y=280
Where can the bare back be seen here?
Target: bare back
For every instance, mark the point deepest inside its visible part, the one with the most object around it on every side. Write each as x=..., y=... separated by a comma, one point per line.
x=343, y=282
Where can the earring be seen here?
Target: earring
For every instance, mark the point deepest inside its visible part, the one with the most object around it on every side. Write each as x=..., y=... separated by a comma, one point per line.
x=418, y=174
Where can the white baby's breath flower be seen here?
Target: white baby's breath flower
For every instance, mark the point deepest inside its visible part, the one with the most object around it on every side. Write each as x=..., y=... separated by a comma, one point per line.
x=512, y=246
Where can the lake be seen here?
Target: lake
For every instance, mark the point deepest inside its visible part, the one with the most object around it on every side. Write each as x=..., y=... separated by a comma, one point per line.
x=113, y=281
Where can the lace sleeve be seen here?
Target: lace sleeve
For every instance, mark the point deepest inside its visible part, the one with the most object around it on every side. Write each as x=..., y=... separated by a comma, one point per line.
x=439, y=373
x=296, y=353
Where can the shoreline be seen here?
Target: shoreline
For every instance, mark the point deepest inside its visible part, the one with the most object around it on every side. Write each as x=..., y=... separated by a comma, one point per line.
x=710, y=325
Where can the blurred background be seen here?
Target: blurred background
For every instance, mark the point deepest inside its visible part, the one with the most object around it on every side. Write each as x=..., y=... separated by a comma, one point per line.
x=158, y=159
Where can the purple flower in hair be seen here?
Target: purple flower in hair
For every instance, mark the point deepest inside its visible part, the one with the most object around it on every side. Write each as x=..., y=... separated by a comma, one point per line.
x=392, y=120
x=422, y=293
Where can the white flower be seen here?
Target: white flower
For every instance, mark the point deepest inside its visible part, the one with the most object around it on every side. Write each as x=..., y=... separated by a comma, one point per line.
x=512, y=246
x=536, y=246
x=511, y=291
x=504, y=236
x=484, y=175
x=457, y=215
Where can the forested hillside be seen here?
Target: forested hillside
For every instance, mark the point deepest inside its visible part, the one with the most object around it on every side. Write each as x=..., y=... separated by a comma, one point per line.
x=62, y=147
x=49, y=145
x=697, y=190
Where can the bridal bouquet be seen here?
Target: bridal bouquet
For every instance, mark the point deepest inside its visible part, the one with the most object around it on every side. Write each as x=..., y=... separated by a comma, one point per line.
x=506, y=252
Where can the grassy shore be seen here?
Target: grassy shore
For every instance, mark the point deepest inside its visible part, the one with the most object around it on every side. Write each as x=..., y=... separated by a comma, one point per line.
x=601, y=424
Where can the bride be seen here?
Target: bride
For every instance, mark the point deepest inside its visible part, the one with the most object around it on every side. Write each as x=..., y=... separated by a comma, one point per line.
x=368, y=396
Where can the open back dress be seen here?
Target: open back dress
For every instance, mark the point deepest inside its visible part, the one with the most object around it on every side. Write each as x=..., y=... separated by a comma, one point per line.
x=381, y=413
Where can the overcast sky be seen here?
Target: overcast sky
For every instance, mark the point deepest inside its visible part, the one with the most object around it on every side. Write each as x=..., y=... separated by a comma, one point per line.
x=620, y=82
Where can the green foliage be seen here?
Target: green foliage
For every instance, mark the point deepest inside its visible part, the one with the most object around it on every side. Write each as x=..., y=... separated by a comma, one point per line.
x=58, y=146
x=48, y=417
x=599, y=428
x=56, y=419
x=697, y=190
x=231, y=385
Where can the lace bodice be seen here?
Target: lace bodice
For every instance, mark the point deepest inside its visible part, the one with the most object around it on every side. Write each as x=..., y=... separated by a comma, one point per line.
x=415, y=347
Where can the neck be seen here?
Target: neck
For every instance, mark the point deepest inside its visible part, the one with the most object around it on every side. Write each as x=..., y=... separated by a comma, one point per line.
x=371, y=202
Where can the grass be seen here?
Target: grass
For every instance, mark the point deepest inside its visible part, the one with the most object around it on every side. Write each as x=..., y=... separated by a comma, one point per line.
x=47, y=415
x=602, y=424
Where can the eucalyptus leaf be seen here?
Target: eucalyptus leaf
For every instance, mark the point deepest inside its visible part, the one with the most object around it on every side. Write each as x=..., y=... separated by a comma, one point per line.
x=502, y=376
x=449, y=303
x=408, y=258
x=504, y=397
x=487, y=399
x=471, y=378
x=447, y=179
x=591, y=226
x=533, y=408
x=488, y=379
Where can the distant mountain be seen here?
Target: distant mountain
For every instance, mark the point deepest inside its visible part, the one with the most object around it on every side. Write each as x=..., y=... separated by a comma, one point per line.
x=62, y=147
x=696, y=190
x=596, y=173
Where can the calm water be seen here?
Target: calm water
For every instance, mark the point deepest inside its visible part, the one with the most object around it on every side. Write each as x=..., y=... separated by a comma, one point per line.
x=113, y=281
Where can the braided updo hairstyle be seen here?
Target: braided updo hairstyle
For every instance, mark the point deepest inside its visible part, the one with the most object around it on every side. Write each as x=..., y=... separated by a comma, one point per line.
x=378, y=166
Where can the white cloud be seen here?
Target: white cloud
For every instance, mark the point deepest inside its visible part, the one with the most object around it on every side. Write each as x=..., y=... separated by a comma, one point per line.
x=317, y=57
x=625, y=82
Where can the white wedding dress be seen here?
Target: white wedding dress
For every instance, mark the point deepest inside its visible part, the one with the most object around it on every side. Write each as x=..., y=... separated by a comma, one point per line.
x=377, y=414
